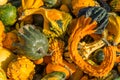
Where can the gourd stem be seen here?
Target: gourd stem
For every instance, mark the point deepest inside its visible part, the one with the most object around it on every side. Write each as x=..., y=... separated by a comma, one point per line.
x=88, y=49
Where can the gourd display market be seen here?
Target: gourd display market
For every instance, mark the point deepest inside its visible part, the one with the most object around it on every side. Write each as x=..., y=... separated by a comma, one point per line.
x=59, y=40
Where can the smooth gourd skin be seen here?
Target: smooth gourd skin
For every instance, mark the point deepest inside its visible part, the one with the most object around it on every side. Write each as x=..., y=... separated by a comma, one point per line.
x=54, y=76
x=98, y=14
x=8, y=14
x=34, y=44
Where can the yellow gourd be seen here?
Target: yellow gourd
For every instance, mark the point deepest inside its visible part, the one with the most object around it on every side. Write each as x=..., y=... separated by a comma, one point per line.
x=5, y=57
x=79, y=4
x=20, y=69
x=2, y=2
x=2, y=74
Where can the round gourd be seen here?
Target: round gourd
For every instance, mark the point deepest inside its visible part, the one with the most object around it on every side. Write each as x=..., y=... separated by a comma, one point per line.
x=21, y=68
x=33, y=43
x=98, y=14
x=8, y=14
x=56, y=75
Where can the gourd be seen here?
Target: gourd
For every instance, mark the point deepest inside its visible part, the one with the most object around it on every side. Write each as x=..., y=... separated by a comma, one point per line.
x=81, y=31
x=98, y=14
x=10, y=38
x=52, y=3
x=2, y=33
x=98, y=56
x=113, y=27
x=5, y=57
x=79, y=4
x=115, y=5
x=33, y=43
x=2, y=2
x=15, y=3
x=104, y=5
x=8, y=14
x=57, y=63
x=56, y=75
x=54, y=26
x=20, y=69
x=27, y=4
x=2, y=74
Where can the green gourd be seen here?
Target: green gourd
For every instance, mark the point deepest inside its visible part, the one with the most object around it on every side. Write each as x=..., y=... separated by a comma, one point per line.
x=52, y=3
x=33, y=43
x=8, y=14
x=56, y=75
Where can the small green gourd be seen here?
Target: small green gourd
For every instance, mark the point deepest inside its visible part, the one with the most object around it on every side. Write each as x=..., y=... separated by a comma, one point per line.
x=54, y=76
x=8, y=14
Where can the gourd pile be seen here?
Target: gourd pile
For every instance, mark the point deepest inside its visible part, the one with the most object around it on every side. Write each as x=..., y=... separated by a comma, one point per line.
x=59, y=40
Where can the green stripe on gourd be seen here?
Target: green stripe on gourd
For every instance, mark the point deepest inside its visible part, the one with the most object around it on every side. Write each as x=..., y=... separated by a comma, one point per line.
x=8, y=14
x=98, y=14
x=34, y=44
x=54, y=76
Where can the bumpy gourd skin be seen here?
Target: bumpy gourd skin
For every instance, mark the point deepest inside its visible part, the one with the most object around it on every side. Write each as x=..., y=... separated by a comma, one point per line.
x=33, y=44
x=20, y=69
x=8, y=14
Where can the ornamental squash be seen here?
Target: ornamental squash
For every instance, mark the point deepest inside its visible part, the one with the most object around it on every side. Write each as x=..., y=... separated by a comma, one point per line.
x=52, y=3
x=98, y=56
x=5, y=57
x=2, y=2
x=104, y=5
x=54, y=26
x=80, y=31
x=8, y=14
x=20, y=69
x=115, y=4
x=56, y=75
x=15, y=3
x=33, y=43
x=98, y=14
x=10, y=38
x=113, y=27
x=2, y=74
x=79, y=4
